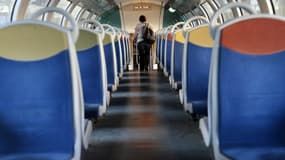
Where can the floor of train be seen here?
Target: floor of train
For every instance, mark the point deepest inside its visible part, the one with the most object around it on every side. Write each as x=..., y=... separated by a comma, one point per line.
x=145, y=121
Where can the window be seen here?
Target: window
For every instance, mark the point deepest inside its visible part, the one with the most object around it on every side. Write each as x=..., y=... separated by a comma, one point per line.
x=197, y=12
x=57, y=18
x=75, y=12
x=228, y=15
x=279, y=6
x=85, y=15
x=5, y=11
x=223, y=2
x=93, y=16
x=35, y=5
x=208, y=9
x=253, y=3
x=188, y=15
x=63, y=4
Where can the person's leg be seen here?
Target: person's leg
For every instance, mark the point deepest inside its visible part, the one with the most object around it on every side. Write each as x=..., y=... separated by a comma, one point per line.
x=147, y=57
x=141, y=55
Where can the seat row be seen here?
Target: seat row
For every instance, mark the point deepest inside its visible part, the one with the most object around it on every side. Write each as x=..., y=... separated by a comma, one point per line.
x=184, y=52
x=54, y=82
x=232, y=75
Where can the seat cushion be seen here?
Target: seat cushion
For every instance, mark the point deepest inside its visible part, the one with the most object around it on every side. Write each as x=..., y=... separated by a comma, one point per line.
x=37, y=156
x=92, y=111
x=179, y=85
x=251, y=153
x=200, y=107
x=110, y=87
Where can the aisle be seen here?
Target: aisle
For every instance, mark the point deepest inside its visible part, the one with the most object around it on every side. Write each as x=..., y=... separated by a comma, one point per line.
x=146, y=122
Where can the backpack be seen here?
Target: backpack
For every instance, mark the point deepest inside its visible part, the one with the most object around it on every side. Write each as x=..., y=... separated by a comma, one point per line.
x=147, y=34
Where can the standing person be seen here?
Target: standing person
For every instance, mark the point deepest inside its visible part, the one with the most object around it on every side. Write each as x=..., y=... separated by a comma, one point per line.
x=143, y=47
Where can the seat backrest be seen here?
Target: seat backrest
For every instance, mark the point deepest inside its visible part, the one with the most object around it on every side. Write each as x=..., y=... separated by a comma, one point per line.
x=123, y=50
x=248, y=83
x=119, y=54
x=175, y=28
x=167, y=56
x=176, y=68
x=162, y=50
x=39, y=90
x=110, y=56
x=127, y=46
x=92, y=68
x=157, y=45
x=166, y=46
x=197, y=59
x=129, y=49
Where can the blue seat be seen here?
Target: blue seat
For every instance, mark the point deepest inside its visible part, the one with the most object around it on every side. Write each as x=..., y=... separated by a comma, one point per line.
x=36, y=156
x=162, y=51
x=39, y=106
x=176, y=53
x=166, y=48
x=177, y=59
x=197, y=59
x=127, y=48
x=123, y=50
x=119, y=54
x=167, y=56
x=157, y=47
x=248, y=89
x=93, y=73
x=110, y=57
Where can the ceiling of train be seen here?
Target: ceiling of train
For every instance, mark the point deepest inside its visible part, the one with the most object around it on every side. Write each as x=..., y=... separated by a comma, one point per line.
x=99, y=7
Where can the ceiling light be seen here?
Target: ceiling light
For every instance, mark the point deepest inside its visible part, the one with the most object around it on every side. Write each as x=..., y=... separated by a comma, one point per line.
x=170, y=9
x=142, y=6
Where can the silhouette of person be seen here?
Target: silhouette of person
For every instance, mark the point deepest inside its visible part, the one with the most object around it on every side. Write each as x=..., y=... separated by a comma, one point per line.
x=142, y=46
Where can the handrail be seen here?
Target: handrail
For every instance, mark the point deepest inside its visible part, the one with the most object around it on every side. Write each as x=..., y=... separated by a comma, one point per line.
x=126, y=34
x=109, y=28
x=176, y=26
x=118, y=31
x=213, y=21
x=167, y=29
x=95, y=23
x=187, y=24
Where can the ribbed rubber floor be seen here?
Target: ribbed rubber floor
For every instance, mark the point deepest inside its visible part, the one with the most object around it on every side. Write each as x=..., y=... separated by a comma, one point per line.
x=145, y=121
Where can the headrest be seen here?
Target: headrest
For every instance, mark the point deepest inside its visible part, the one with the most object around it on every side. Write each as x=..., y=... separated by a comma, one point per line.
x=28, y=41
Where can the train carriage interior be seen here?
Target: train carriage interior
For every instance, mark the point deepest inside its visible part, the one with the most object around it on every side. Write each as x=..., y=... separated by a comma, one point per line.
x=76, y=81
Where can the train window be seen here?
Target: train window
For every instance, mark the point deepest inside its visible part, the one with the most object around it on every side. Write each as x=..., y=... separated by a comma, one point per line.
x=57, y=18
x=252, y=3
x=93, y=16
x=184, y=18
x=279, y=6
x=35, y=5
x=228, y=15
x=204, y=11
x=238, y=12
x=198, y=12
x=63, y=4
x=208, y=9
x=76, y=11
x=215, y=4
x=188, y=15
x=85, y=15
x=5, y=10
x=223, y=2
